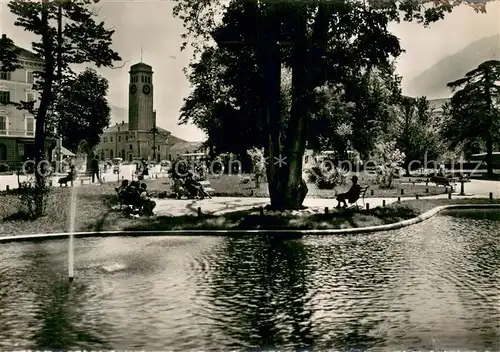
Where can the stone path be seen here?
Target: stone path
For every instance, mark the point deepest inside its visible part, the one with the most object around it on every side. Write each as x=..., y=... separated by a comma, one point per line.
x=221, y=205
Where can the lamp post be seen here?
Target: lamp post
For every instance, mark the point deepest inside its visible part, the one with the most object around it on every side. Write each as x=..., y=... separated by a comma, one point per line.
x=116, y=141
x=154, y=133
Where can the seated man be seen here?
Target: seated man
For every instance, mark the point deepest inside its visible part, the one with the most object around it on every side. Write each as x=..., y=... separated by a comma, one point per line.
x=192, y=186
x=351, y=195
x=122, y=189
x=147, y=204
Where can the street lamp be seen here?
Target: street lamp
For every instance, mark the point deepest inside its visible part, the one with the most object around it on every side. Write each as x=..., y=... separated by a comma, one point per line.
x=154, y=132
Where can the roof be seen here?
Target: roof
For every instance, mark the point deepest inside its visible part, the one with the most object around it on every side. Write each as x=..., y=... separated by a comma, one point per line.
x=125, y=127
x=141, y=66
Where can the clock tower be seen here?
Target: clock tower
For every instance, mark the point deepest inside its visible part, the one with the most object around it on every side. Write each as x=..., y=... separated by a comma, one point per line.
x=140, y=102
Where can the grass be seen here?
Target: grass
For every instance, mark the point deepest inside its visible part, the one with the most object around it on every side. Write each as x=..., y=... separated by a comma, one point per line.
x=94, y=213
x=231, y=186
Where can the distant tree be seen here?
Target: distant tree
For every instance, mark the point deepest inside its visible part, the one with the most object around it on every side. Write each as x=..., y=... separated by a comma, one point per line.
x=416, y=130
x=473, y=115
x=83, y=40
x=81, y=111
x=9, y=55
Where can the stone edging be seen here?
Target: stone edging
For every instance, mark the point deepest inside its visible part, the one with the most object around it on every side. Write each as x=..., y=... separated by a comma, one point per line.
x=370, y=229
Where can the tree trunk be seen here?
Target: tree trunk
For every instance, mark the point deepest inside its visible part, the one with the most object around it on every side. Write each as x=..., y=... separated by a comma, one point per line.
x=45, y=97
x=271, y=87
x=290, y=190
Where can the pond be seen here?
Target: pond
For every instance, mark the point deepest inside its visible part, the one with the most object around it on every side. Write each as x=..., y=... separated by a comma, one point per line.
x=432, y=286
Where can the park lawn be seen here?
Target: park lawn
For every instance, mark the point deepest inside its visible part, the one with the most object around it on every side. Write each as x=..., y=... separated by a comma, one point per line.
x=342, y=219
x=231, y=186
x=93, y=203
x=94, y=213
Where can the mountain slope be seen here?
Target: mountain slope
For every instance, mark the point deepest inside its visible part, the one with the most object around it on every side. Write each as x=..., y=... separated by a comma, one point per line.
x=432, y=82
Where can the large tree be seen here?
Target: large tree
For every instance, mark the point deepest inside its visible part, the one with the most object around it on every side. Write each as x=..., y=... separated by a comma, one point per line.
x=81, y=111
x=320, y=41
x=474, y=110
x=82, y=40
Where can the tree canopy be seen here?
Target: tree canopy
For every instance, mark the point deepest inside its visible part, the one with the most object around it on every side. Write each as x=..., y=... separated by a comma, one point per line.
x=330, y=48
x=473, y=114
x=82, y=40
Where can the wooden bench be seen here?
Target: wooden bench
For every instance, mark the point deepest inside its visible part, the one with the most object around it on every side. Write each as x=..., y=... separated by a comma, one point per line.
x=362, y=195
x=207, y=187
x=83, y=175
x=443, y=181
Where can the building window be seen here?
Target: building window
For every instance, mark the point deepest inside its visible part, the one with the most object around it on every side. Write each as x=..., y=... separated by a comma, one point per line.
x=30, y=78
x=3, y=124
x=30, y=126
x=119, y=138
x=111, y=153
x=158, y=148
x=4, y=97
x=169, y=157
x=126, y=138
x=5, y=76
x=105, y=139
x=123, y=154
x=111, y=139
x=30, y=96
x=3, y=152
x=131, y=147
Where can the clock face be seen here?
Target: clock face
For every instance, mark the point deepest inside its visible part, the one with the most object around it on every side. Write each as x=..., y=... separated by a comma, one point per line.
x=133, y=89
x=146, y=89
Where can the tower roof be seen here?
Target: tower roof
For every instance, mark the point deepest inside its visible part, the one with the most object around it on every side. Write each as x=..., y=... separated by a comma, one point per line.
x=141, y=67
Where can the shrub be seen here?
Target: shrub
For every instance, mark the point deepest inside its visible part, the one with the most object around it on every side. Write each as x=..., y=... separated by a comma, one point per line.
x=324, y=178
x=34, y=198
x=258, y=164
x=390, y=160
x=4, y=168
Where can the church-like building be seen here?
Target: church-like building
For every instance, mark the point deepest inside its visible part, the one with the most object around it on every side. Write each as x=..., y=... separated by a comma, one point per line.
x=141, y=137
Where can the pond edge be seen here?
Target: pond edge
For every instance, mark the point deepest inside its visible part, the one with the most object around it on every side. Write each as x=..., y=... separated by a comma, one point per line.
x=284, y=232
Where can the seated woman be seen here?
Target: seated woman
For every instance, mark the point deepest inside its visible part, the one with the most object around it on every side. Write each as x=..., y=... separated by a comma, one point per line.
x=179, y=189
x=351, y=195
x=147, y=204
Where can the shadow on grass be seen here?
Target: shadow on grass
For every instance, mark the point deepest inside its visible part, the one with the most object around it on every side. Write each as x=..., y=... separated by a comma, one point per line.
x=250, y=220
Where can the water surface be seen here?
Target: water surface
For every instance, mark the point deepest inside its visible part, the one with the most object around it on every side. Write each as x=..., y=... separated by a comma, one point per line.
x=433, y=286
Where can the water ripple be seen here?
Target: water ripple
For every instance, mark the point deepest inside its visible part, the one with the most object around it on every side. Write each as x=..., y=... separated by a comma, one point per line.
x=434, y=285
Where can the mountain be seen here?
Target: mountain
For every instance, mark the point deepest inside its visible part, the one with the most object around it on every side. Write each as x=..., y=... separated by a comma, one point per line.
x=432, y=82
x=118, y=114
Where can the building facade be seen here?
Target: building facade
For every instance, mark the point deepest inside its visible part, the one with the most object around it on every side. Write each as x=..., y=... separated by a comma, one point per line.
x=17, y=127
x=140, y=137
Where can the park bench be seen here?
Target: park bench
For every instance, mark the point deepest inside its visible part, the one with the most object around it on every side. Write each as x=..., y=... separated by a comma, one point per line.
x=207, y=187
x=362, y=194
x=443, y=181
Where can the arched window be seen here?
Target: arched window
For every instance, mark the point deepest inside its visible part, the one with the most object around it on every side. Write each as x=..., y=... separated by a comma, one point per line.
x=3, y=152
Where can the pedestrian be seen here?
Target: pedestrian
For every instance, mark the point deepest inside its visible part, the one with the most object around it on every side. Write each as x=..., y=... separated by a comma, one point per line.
x=94, y=165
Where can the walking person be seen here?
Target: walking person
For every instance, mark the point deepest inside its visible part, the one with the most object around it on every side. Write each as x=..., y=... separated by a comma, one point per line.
x=94, y=165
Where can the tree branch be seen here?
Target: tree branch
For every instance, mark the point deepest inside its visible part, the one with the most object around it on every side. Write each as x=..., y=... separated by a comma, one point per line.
x=117, y=67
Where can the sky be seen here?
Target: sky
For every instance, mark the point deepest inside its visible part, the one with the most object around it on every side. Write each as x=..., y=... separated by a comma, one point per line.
x=150, y=24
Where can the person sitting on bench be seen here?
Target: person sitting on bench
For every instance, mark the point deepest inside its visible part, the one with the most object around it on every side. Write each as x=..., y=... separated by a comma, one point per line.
x=147, y=204
x=351, y=195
